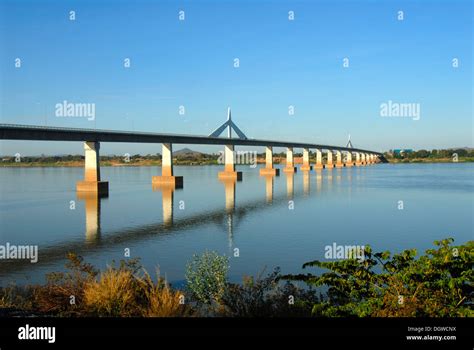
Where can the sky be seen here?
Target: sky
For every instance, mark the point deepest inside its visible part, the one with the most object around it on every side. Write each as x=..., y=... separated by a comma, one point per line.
x=282, y=63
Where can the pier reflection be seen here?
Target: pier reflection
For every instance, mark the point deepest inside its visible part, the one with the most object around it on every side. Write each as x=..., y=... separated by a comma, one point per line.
x=319, y=180
x=269, y=188
x=228, y=217
x=290, y=186
x=306, y=183
x=92, y=206
x=167, y=196
x=329, y=179
x=338, y=175
x=229, y=188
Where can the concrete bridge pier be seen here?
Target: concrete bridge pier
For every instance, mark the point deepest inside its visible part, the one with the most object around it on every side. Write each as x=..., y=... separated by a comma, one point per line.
x=368, y=157
x=92, y=181
x=269, y=170
x=229, y=166
x=167, y=178
x=362, y=159
x=329, y=163
x=290, y=166
x=319, y=160
x=348, y=159
x=339, y=163
x=357, y=162
x=306, y=166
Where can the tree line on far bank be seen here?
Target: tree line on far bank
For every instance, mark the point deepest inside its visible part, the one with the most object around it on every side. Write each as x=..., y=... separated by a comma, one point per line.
x=459, y=154
x=453, y=154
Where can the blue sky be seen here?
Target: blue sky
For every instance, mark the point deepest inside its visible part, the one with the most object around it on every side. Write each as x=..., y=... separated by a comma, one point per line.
x=282, y=63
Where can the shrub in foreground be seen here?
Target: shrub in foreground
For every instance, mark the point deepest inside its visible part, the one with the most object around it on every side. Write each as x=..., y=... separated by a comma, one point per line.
x=130, y=291
x=126, y=290
x=63, y=292
x=266, y=297
x=438, y=284
x=206, y=277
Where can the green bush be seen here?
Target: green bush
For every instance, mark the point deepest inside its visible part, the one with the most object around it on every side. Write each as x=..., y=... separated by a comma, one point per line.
x=206, y=277
x=266, y=297
x=438, y=284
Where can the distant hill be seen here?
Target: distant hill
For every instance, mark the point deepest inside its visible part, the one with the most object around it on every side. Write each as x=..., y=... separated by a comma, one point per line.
x=186, y=152
x=464, y=148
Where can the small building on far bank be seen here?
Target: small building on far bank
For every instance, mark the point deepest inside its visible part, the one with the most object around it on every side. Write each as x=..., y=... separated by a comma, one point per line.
x=402, y=151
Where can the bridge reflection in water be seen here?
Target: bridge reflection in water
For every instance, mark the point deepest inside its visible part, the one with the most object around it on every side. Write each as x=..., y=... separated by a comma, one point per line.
x=268, y=188
x=167, y=195
x=92, y=206
x=93, y=202
x=227, y=218
x=306, y=183
x=229, y=189
x=290, y=186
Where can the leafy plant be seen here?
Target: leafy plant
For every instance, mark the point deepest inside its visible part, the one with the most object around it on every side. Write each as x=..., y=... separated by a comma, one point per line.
x=439, y=283
x=266, y=297
x=206, y=277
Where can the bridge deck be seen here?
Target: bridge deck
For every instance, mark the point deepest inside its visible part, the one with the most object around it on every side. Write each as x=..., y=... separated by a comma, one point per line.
x=43, y=133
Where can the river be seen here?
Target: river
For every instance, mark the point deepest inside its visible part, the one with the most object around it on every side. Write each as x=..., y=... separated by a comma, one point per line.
x=260, y=223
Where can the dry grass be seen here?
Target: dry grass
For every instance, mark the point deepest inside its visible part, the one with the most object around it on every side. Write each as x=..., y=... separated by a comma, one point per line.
x=128, y=290
x=161, y=300
x=15, y=297
x=55, y=296
x=113, y=294
x=123, y=291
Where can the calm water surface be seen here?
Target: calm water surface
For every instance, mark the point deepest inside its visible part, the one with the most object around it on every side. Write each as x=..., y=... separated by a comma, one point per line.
x=281, y=222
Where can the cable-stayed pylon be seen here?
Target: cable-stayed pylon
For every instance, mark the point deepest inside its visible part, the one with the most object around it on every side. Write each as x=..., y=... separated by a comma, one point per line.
x=230, y=125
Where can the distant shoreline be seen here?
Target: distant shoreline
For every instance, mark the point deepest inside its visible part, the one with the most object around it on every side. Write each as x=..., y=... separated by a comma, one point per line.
x=430, y=161
x=188, y=157
x=144, y=163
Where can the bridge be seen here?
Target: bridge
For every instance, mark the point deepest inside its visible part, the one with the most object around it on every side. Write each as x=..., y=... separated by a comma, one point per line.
x=93, y=137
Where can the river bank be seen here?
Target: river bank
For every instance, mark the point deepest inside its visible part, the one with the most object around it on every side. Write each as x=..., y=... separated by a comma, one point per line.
x=151, y=162
x=375, y=286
